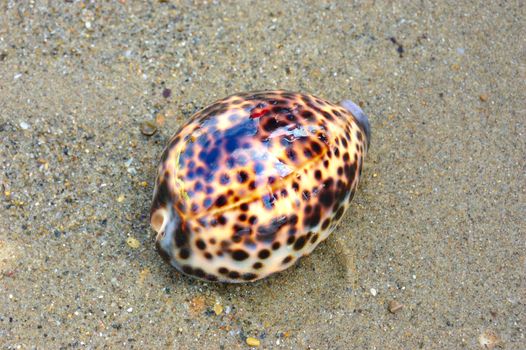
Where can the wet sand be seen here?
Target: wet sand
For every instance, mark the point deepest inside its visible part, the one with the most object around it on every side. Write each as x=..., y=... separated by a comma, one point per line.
x=437, y=224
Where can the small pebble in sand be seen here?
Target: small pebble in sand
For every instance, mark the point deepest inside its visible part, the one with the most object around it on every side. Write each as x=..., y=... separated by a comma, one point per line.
x=253, y=342
x=120, y=199
x=218, y=309
x=133, y=243
x=394, y=306
x=167, y=93
x=483, y=97
x=148, y=128
x=24, y=125
x=489, y=340
x=373, y=292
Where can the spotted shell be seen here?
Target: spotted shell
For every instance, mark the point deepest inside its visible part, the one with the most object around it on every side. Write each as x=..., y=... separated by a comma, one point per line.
x=255, y=181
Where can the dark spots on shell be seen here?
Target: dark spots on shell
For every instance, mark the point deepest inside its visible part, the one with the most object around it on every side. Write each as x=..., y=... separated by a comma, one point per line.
x=292, y=231
x=252, y=185
x=326, y=197
x=209, y=190
x=220, y=201
x=181, y=238
x=339, y=213
x=242, y=176
x=271, y=180
x=344, y=142
x=257, y=265
x=263, y=254
x=239, y=255
x=244, y=206
x=308, y=115
x=306, y=195
x=272, y=124
x=233, y=274
x=307, y=153
x=325, y=224
x=180, y=206
x=276, y=245
x=208, y=256
x=184, y=253
x=200, y=244
x=346, y=157
x=314, y=238
x=223, y=270
x=326, y=164
x=340, y=171
x=295, y=186
x=316, y=148
x=300, y=243
x=198, y=187
x=280, y=109
x=317, y=174
x=212, y=241
x=291, y=240
x=337, y=152
x=287, y=259
x=187, y=269
x=210, y=158
x=267, y=233
x=293, y=219
x=242, y=217
x=237, y=239
x=284, y=193
x=207, y=202
x=291, y=154
x=199, y=272
x=268, y=201
x=221, y=220
x=327, y=115
x=224, y=179
x=359, y=136
x=313, y=219
x=350, y=171
x=252, y=220
x=249, y=276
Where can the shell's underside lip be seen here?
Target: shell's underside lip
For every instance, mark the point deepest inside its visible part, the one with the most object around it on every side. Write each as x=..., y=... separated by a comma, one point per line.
x=360, y=116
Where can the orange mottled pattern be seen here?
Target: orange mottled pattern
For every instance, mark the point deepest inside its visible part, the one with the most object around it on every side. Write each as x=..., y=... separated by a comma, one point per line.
x=253, y=182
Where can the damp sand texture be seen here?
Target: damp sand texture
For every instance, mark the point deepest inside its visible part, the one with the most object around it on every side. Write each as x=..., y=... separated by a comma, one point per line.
x=430, y=254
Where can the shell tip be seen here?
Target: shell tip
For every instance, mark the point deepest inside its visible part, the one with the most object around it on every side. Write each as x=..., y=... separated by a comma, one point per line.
x=360, y=116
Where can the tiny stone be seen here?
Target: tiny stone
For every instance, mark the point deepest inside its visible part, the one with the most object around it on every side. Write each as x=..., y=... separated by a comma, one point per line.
x=120, y=199
x=167, y=93
x=483, y=97
x=373, y=292
x=133, y=242
x=24, y=125
x=253, y=342
x=148, y=128
x=394, y=306
x=489, y=340
x=130, y=309
x=218, y=309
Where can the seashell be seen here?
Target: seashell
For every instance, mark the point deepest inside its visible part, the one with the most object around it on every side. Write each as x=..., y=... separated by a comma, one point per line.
x=255, y=181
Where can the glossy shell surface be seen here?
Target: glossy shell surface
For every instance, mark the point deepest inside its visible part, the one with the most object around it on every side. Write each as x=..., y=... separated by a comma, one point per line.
x=255, y=181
